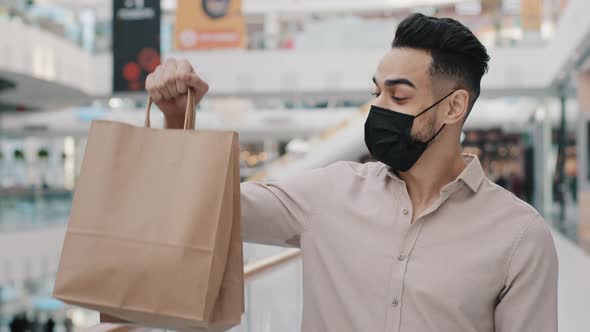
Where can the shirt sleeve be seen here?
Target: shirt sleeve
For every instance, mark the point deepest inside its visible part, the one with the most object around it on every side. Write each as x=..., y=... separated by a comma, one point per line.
x=529, y=299
x=278, y=213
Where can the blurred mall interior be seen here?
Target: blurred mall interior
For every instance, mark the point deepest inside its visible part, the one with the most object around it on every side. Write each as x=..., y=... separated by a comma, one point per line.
x=294, y=80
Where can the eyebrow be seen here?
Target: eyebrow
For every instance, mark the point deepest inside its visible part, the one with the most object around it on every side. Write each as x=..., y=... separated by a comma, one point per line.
x=396, y=81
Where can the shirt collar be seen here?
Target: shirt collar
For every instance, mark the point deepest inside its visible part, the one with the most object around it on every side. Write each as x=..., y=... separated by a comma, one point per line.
x=472, y=174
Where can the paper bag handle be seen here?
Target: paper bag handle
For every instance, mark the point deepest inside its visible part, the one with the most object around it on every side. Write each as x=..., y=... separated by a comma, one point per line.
x=189, y=115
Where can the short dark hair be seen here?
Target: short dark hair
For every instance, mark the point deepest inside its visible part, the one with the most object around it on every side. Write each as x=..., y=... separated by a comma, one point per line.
x=456, y=53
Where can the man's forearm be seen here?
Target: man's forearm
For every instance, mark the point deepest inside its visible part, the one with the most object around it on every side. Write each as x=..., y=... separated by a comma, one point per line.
x=174, y=122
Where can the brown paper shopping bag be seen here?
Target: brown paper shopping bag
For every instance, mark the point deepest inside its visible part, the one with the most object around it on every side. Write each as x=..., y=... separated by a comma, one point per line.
x=154, y=235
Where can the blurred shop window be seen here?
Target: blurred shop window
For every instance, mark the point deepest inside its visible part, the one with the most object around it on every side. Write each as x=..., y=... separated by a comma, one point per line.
x=503, y=158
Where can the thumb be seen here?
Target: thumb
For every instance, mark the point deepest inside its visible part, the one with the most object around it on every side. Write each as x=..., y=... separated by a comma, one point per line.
x=194, y=81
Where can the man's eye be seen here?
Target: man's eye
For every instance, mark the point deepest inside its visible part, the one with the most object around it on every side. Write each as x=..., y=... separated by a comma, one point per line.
x=398, y=99
x=376, y=94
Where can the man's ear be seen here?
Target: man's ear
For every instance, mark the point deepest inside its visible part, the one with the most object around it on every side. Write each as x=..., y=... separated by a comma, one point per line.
x=458, y=106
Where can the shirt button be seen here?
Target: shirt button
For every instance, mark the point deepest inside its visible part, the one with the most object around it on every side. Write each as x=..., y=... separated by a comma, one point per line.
x=401, y=257
x=405, y=211
x=394, y=303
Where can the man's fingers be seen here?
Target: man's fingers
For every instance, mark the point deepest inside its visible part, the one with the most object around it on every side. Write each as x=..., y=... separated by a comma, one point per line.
x=195, y=82
x=183, y=69
x=160, y=83
x=171, y=80
x=151, y=88
x=169, y=77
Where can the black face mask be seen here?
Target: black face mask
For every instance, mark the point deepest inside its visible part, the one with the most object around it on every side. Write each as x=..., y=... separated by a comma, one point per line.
x=388, y=137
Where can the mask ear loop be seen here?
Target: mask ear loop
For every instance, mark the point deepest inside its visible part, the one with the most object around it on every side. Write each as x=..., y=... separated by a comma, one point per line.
x=443, y=126
x=438, y=132
x=429, y=108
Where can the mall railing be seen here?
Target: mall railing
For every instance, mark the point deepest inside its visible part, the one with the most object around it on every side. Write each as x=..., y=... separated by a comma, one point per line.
x=72, y=31
x=270, y=264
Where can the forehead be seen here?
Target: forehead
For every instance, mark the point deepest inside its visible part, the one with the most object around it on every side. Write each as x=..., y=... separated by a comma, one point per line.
x=406, y=63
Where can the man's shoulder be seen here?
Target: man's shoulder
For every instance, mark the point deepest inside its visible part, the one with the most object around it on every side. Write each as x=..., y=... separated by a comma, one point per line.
x=513, y=225
x=500, y=198
x=510, y=210
x=352, y=167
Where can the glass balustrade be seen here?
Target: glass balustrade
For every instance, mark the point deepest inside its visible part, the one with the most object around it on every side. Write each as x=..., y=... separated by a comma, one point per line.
x=24, y=209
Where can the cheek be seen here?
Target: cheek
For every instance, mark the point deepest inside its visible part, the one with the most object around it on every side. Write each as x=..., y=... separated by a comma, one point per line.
x=423, y=127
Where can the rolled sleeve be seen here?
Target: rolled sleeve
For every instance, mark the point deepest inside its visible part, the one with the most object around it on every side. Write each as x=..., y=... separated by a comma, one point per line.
x=529, y=299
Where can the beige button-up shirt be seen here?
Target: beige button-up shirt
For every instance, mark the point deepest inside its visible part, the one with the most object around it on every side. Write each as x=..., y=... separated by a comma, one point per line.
x=477, y=260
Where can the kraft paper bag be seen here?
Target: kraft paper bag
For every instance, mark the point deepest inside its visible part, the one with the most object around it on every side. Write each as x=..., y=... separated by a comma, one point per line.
x=154, y=235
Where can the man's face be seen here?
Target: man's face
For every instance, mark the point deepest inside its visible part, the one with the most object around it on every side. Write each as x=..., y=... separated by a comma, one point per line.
x=403, y=84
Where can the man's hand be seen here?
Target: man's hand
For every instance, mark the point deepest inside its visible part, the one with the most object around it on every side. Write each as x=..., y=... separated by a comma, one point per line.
x=168, y=85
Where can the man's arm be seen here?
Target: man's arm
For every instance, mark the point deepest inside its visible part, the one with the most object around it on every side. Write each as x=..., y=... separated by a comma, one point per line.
x=277, y=214
x=528, y=302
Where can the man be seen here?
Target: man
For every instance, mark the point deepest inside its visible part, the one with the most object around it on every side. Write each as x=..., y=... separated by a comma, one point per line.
x=421, y=240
